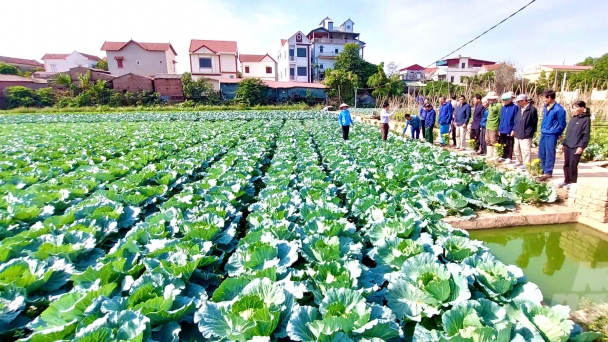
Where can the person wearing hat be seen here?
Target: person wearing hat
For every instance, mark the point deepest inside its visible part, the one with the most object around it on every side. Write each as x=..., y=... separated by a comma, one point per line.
x=412, y=121
x=345, y=120
x=492, y=123
x=384, y=118
x=551, y=129
x=508, y=113
x=526, y=123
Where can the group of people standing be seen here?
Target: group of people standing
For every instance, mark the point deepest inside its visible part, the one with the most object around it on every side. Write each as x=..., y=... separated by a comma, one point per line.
x=511, y=123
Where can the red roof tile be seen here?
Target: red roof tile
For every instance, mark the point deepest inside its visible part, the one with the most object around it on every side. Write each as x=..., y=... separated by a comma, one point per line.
x=117, y=46
x=13, y=60
x=213, y=45
x=90, y=57
x=243, y=58
x=55, y=56
x=430, y=70
x=492, y=67
x=283, y=41
x=414, y=67
x=567, y=67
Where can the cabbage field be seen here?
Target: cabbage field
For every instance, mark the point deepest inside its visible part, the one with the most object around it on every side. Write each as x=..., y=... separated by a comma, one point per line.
x=263, y=226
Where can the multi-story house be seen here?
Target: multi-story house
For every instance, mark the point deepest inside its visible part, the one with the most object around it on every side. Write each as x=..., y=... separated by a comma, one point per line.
x=533, y=74
x=327, y=41
x=146, y=59
x=62, y=62
x=457, y=67
x=412, y=73
x=213, y=59
x=293, y=61
x=260, y=66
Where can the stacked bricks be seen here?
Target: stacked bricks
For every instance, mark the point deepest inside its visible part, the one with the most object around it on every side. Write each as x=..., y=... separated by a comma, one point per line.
x=591, y=200
x=581, y=246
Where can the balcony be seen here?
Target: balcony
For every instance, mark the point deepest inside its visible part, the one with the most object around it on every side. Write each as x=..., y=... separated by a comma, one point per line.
x=328, y=54
x=334, y=41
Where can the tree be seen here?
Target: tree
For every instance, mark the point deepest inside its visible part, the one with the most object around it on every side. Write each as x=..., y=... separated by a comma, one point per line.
x=102, y=64
x=341, y=84
x=593, y=78
x=392, y=69
x=251, y=91
x=349, y=60
x=200, y=90
x=383, y=85
x=441, y=88
x=7, y=69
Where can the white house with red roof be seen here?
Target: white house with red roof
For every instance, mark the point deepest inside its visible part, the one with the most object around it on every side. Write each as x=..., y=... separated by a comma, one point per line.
x=533, y=74
x=293, y=59
x=457, y=67
x=412, y=73
x=260, y=66
x=145, y=59
x=213, y=59
x=62, y=62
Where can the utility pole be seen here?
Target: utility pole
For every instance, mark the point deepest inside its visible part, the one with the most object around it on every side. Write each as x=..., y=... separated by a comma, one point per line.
x=564, y=82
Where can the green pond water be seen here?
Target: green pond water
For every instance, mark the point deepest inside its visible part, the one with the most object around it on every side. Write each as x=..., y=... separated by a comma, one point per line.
x=568, y=262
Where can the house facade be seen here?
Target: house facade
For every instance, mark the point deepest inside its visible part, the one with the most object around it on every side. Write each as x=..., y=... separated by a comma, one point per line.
x=22, y=64
x=533, y=74
x=457, y=67
x=169, y=86
x=62, y=62
x=260, y=66
x=412, y=73
x=293, y=59
x=133, y=83
x=146, y=59
x=213, y=59
x=327, y=42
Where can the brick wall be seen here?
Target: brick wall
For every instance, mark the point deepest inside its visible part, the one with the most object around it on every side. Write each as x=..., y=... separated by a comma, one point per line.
x=133, y=83
x=170, y=87
x=591, y=200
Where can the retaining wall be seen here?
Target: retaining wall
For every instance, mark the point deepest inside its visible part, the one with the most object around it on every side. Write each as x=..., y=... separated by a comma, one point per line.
x=590, y=200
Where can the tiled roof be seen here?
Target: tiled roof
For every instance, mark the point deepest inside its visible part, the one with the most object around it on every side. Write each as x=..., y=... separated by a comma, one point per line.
x=55, y=56
x=414, y=67
x=283, y=41
x=492, y=67
x=90, y=57
x=567, y=67
x=243, y=58
x=430, y=70
x=15, y=78
x=13, y=60
x=167, y=76
x=117, y=46
x=213, y=45
x=136, y=75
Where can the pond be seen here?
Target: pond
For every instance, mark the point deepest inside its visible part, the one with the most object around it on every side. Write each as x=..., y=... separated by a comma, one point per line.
x=569, y=262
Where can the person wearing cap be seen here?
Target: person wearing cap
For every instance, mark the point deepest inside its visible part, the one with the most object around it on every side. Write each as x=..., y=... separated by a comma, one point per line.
x=429, y=122
x=445, y=118
x=492, y=123
x=508, y=113
x=345, y=120
x=422, y=115
x=476, y=124
x=482, y=127
x=384, y=118
x=412, y=121
x=526, y=123
x=463, y=116
x=551, y=129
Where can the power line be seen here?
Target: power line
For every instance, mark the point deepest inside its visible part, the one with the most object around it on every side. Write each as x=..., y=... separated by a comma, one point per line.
x=486, y=31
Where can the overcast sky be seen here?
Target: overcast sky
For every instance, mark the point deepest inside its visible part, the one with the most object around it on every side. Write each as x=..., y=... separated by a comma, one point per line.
x=403, y=31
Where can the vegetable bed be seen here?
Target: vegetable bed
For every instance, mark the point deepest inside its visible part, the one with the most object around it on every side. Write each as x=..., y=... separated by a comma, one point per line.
x=257, y=226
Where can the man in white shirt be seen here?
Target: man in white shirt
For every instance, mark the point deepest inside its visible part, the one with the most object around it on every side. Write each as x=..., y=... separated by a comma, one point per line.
x=384, y=118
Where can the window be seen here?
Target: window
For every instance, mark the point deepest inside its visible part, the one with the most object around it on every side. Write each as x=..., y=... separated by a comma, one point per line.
x=161, y=62
x=336, y=51
x=452, y=79
x=291, y=72
x=462, y=66
x=231, y=76
x=290, y=52
x=321, y=66
x=302, y=71
x=246, y=69
x=204, y=62
x=269, y=70
x=301, y=52
x=348, y=27
x=477, y=65
x=119, y=63
x=321, y=48
x=137, y=62
x=54, y=67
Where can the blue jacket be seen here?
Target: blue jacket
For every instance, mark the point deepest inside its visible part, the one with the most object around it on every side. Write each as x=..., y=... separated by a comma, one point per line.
x=554, y=120
x=508, y=113
x=344, y=118
x=422, y=113
x=430, y=117
x=463, y=114
x=415, y=122
x=484, y=118
x=445, y=113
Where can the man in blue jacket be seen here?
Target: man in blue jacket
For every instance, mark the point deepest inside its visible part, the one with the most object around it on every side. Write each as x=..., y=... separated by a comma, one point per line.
x=429, y=122
x=445, y=118
x=422, y=115
x=412, y=121
x=463, y=116
x=551, y=130
x=508, y=114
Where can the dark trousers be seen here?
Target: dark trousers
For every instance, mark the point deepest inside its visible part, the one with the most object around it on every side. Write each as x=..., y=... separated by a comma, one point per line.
x=423, y=128
x=571, y=161
x=453, y=130
x=384, y=130
x=345, y=130
x=509, y=142
x=474, y=135
x=415, y=132
x=482, y=140
x=546, y=152
x=428, y=134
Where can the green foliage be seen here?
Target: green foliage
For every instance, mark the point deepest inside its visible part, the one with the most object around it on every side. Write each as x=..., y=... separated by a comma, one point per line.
x=384, y=86
x=441, y=88
x=19, y=96
x=596, y=77
x=7, y=69
x=349, y=60
x=200, y=90
x=102, y=64
x=251, y=91
x=341, y=84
